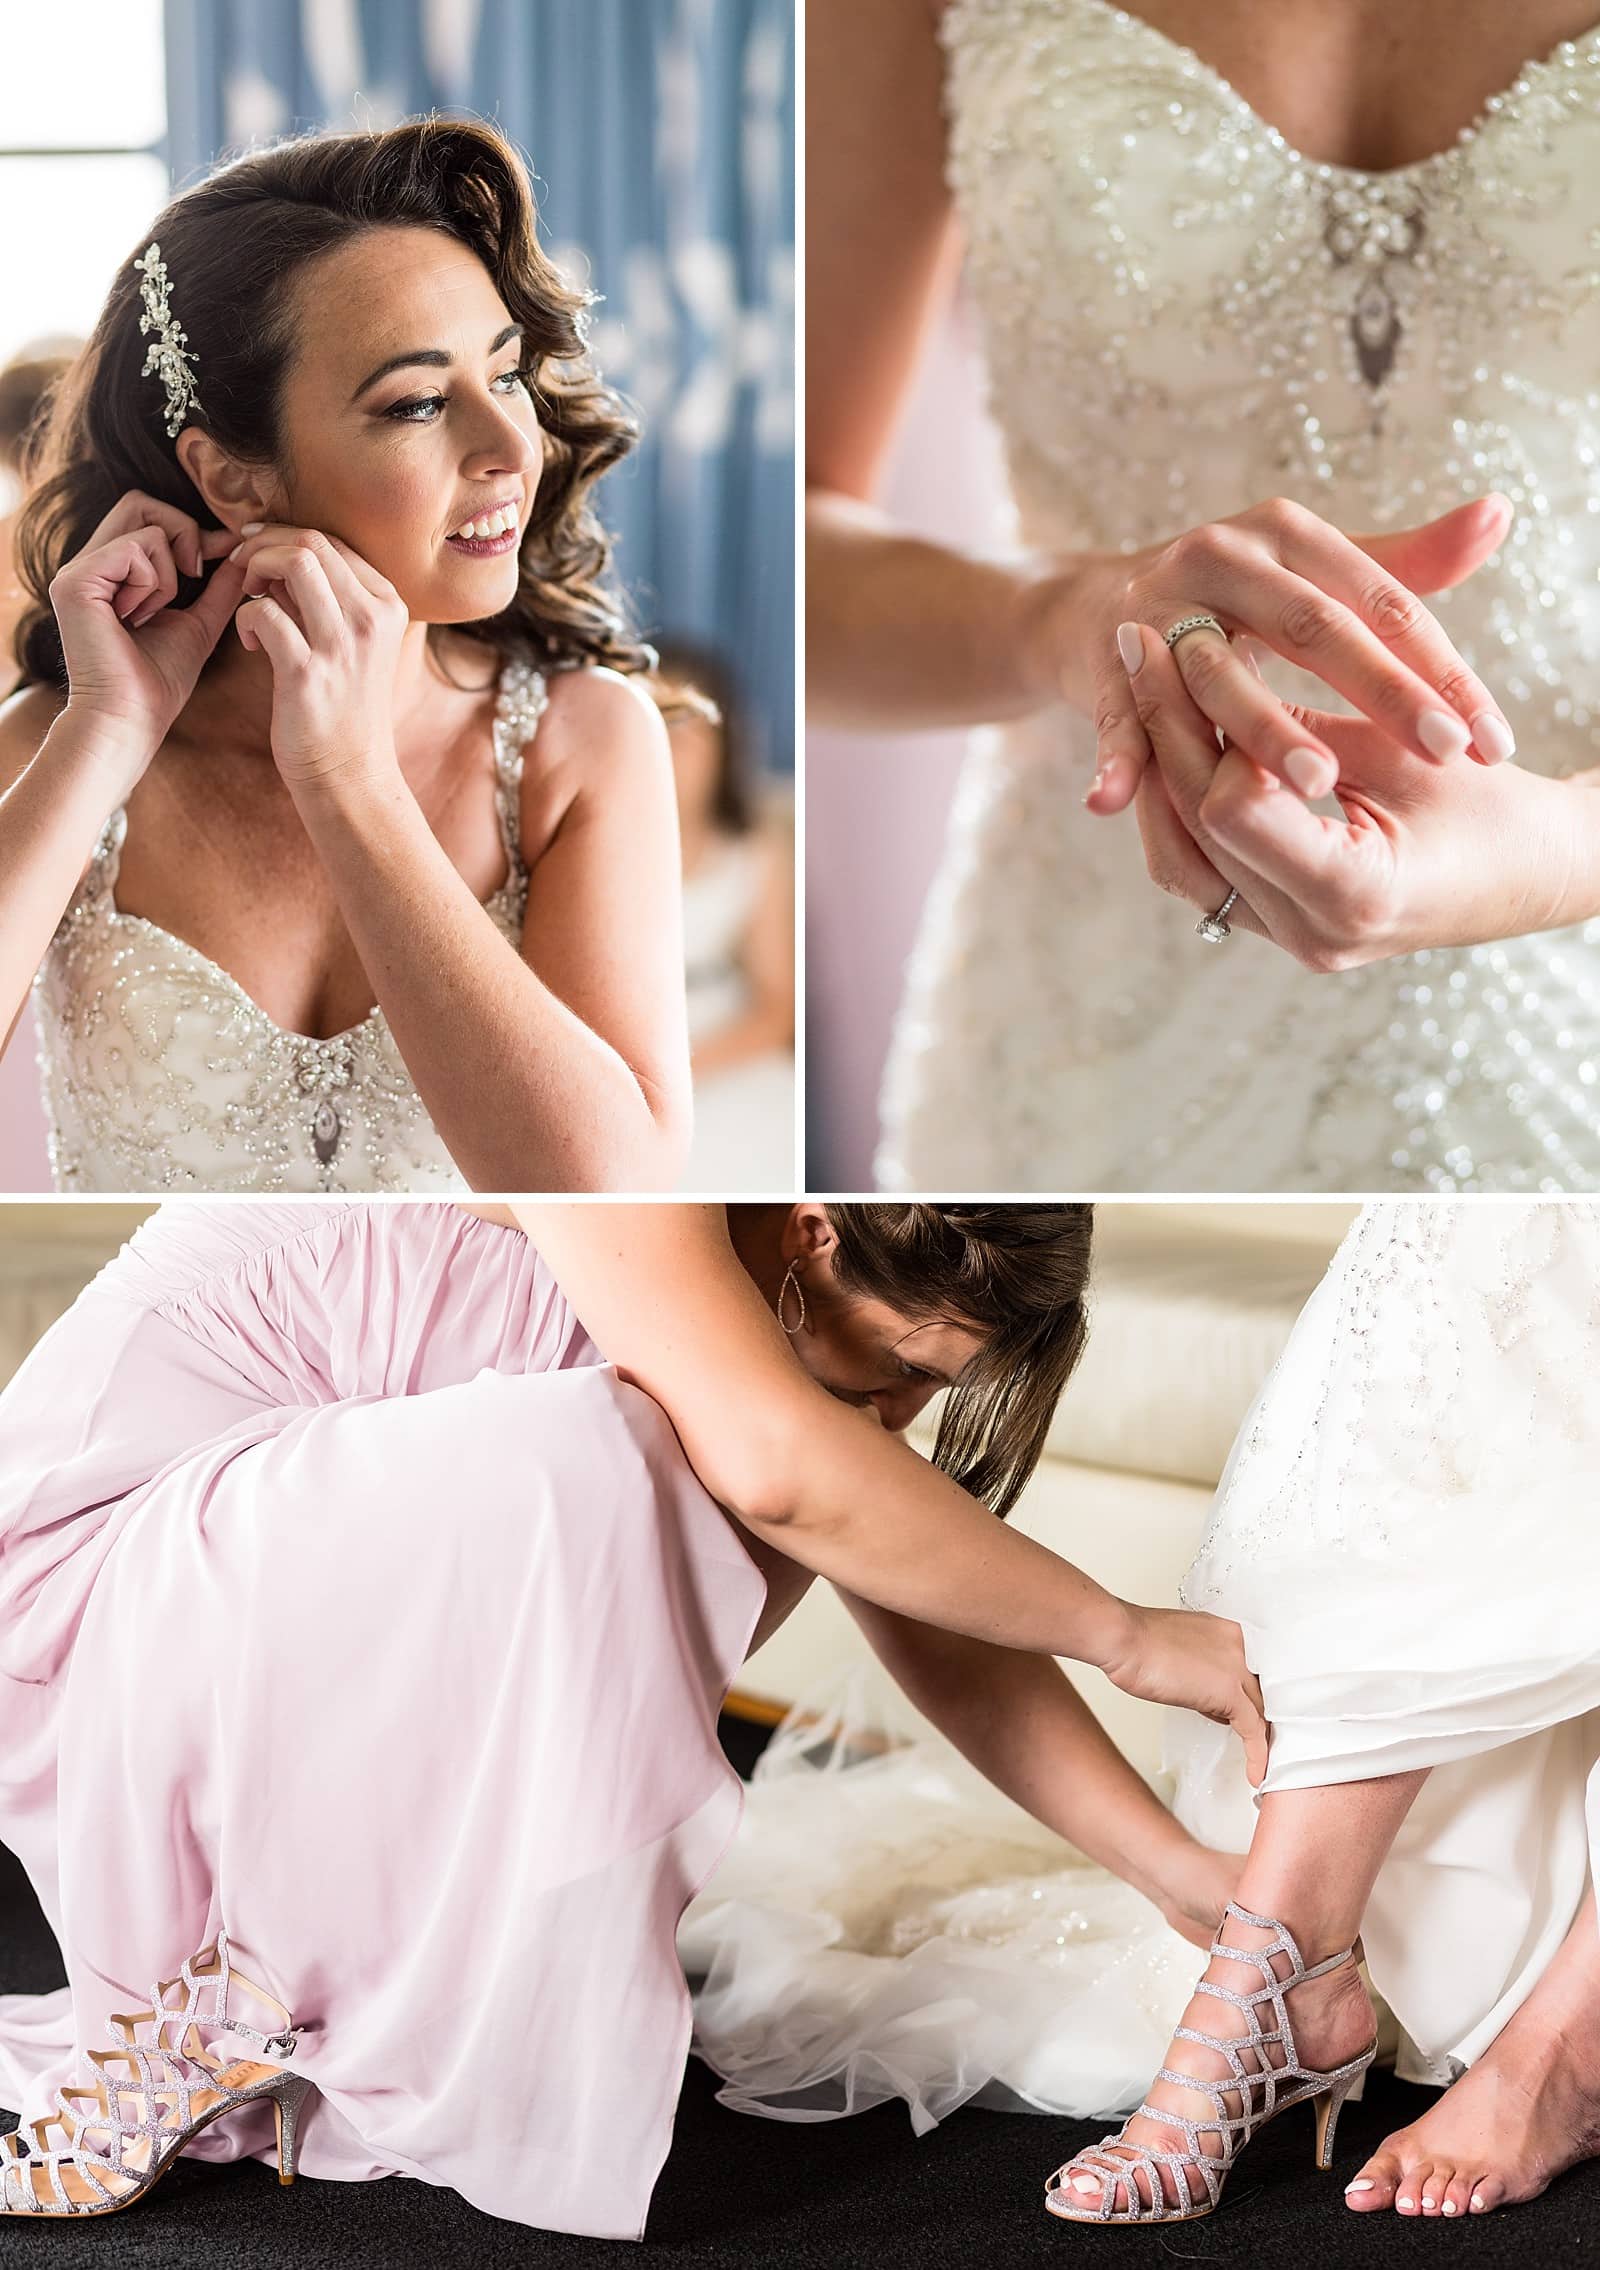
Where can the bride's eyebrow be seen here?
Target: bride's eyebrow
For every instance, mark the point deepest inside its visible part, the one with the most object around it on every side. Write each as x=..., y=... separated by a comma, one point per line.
x=434, y=358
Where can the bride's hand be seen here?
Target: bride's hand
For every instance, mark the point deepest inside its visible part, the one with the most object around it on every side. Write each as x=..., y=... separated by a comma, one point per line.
x=132, y=657
x=1343, y=607
x=1424, y=855
x=1196, y=1661
x=331, y=627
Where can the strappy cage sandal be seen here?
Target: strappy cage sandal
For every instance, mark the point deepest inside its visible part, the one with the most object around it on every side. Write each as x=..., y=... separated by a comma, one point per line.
x=165, y=2081
x=1256, y=2090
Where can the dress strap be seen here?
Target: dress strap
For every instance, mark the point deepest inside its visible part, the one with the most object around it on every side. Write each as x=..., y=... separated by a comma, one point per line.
x=519, y=705
x=105, y=861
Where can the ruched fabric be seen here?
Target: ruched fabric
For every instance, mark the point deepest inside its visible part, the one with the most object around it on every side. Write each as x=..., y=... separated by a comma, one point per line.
x=350, y=1601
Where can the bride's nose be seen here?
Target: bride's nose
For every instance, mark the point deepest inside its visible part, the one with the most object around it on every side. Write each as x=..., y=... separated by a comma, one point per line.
x=501, y=444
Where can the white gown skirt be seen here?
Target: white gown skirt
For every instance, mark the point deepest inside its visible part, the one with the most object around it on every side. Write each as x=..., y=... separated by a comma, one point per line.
x=1407, y=1530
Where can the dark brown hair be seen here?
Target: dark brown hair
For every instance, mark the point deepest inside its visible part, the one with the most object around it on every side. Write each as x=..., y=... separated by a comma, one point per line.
x=27, y=383
x=695, y=681
x=237, y=246
x=1017, y=1274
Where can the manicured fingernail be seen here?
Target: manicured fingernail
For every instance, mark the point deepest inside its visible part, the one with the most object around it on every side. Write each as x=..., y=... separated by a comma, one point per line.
x=1362, y=2183
x=237, y=549
x=1308, y=770
x=1494, y=737
x=1095, y=786
x=1442, y=733
x=1130, y=646
x=252, y=527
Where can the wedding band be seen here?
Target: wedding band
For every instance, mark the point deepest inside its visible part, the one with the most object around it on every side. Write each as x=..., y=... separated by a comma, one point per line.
x=1193, y=623
x=1213, y=928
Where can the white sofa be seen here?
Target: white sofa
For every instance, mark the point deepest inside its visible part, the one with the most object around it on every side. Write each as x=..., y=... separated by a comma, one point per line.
x=1191, y=1305
x=49, y=1250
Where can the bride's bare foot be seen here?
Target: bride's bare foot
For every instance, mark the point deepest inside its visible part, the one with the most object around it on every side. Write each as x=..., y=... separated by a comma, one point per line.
x=1528, y=2110
x=1331, y=2020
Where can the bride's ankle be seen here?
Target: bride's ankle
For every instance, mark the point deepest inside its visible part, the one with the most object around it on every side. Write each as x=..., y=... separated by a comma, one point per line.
x=1332, y=2015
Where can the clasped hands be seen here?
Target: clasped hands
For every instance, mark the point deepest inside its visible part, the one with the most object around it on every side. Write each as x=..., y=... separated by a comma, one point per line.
x=1440, y=842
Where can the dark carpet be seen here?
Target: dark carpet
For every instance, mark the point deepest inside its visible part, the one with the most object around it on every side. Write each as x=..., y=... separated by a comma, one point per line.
x=743, y=2194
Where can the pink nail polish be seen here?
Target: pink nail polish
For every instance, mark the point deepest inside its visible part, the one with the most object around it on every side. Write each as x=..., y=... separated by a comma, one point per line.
x=1308, y=771
x=1494, y=737
x=1130, y=646
x=1442, y=733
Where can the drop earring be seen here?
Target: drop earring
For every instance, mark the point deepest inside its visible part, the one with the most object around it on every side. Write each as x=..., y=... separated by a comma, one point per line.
x=792, y=1279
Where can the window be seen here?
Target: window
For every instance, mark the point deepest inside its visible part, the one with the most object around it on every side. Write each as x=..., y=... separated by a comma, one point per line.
x=83, y=168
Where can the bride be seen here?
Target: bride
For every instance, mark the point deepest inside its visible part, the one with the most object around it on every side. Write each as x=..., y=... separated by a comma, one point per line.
x=363, y=1628
x=380, y=891
x=1403, y=1533
x=1330, y=273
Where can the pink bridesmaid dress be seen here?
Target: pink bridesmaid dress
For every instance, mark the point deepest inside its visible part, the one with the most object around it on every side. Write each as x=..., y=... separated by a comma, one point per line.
x=349, y=1601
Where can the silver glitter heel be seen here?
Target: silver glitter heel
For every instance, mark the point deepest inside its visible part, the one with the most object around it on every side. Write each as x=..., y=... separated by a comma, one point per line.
x=1256, y=2090
x=166, y=2080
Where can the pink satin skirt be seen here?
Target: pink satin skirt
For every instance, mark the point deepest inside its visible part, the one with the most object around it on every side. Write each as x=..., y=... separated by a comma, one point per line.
x=350, y=1601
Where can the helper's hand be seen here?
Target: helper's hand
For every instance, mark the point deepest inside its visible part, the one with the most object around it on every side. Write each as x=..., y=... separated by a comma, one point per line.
x=1178, y=1655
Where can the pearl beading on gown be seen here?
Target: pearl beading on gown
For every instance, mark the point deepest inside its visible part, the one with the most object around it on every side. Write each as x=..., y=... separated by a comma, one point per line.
x=161, y=1073
x=1183, y=315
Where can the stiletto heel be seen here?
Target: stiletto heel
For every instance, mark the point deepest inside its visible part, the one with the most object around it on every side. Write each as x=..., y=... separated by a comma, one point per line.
x=171, y=2074
x=1328, y=2119
x=287, y=2099
x=1257, y=2087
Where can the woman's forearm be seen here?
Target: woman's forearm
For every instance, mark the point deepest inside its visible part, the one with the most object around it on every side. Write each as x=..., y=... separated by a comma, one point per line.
x=862, y=1509
x=1020, y=1721
x=905, y=635
x=50, y=821
x=525, y=1095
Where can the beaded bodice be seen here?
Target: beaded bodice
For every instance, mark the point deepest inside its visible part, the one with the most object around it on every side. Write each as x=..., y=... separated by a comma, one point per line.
x=161, y=1073
x=1182, y=315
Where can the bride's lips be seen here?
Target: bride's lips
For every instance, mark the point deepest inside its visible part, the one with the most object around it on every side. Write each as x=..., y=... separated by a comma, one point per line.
x=485, y=547
x=490, y=547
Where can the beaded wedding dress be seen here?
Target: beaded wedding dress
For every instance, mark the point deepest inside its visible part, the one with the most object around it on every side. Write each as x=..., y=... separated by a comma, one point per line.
x=1405, y=1531
x=161, y=1073
x=1183, y=316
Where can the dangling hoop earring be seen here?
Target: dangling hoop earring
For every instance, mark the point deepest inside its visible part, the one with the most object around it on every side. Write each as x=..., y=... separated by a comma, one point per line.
x=799, y=1294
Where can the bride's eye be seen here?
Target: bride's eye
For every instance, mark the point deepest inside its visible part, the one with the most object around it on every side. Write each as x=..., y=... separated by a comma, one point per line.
x=421, y=409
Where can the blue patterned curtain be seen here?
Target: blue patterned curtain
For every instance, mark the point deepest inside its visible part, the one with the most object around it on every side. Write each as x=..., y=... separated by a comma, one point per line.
x=662, y=138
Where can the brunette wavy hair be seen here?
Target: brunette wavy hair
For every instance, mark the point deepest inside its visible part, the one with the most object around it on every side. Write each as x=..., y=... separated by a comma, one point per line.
x=237, y=245
x=1017, y=1274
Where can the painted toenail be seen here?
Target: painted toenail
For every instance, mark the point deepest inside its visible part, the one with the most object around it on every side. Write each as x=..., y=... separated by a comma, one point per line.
x=1362, y=2183
x=1450, y=2207
x=1427, y=2202
x=1477, y=2203
x=1405, y=2203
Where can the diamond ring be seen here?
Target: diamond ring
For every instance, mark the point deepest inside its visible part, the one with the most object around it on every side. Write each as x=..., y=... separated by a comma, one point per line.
x=1213, y=928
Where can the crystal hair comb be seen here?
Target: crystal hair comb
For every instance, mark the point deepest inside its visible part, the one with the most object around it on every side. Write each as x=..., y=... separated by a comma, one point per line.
x=168, y=354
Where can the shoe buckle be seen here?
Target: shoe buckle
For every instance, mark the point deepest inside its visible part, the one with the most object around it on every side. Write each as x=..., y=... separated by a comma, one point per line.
x=284, y=2044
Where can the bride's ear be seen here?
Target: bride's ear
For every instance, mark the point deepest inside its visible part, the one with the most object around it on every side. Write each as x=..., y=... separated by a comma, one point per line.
x=234, y=492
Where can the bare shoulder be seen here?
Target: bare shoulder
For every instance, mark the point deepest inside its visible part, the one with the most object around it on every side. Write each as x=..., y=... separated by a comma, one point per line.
x=25, y=718
x=601, y=744
x=604, y=716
